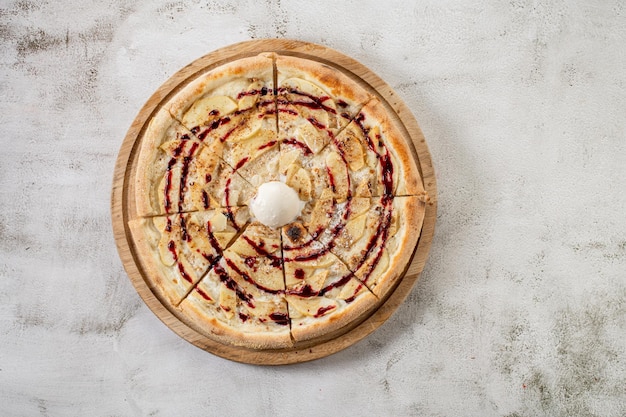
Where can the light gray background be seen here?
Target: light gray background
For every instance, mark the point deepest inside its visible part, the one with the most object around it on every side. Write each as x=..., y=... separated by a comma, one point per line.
x=521, y=308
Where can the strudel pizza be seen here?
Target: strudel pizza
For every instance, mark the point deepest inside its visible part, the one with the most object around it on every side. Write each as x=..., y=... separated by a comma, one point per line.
x=277, y=202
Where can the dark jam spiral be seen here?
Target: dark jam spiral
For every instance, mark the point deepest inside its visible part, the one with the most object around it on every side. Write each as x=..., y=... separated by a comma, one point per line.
x=288, y=101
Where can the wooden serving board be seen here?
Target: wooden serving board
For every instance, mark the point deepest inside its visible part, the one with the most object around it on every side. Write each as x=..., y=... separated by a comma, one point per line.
x=123, y=204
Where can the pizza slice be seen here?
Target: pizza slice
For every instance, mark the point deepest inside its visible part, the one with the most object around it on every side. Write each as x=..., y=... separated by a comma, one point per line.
x=379, y=160
x=241, y=300
x=375, y=237
x=232, y=109
x=322, y=294
x=177, y=250
x=314, y=98
x=177, y=173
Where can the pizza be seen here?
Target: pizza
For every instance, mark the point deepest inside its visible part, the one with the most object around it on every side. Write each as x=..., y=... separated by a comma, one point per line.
x=277, y=202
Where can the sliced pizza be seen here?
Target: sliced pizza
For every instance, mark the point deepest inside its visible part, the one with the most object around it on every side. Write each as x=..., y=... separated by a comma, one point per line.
x=322, y=294
x=375, y=237
x=177, y=250
x=176, y=173
x=316, y=99
x=244, y=291
x=379, y=160
x=232, y=109
x=356, y=196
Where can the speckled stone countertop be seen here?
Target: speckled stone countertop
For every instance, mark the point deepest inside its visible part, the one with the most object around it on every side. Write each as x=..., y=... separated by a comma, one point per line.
x=521, y=310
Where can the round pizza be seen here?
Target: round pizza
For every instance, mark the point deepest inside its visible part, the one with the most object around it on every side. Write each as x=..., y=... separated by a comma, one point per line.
x=277, y=202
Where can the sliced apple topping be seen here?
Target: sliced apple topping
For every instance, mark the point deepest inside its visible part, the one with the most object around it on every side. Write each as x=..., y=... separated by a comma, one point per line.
x=250, y=96
x=355, y=228
x=167, y=252
x=314, y=138
x=353, y=152
x=228, y=301
x=338, y=176
x=300, y=181
x=207, y=109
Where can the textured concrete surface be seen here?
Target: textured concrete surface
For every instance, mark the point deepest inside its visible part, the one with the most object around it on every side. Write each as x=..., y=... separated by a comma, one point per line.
x=521, y=308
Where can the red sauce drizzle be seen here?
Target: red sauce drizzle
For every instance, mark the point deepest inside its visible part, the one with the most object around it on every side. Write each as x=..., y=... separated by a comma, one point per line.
x=339, y=283
x=331, y=180
x=288, y=111
x=229, y=209
x=280, y=318
x=183, y=175
x=232, y=285
x=216, y=124
x=205, y=199
x=309, y=256
x=267, y=103
x=294, y=142
x=243, y=317
x=214, y=243
x=183, y=228
x=250, y=261
x=171, y=246
x=315, y=123
x=248, y=279
x=227, y=192
x=168, y=186
x=203, y=294
x=306, y=291
x=353, y=296
x=263, y=91
x=323, y=310
x=242, y=163
x=303, y=245
x=184, y=274
x=387, y=171
x=298, y=273
x=258, y=248
x=268, y=145
x=317, y=102
x=227, y=135
x=382, y=232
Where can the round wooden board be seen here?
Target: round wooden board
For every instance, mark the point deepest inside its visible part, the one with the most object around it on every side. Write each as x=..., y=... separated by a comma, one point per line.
x=123, y=205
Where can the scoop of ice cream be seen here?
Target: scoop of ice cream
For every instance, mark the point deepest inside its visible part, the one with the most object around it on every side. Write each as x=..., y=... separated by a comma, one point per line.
x=276, y=204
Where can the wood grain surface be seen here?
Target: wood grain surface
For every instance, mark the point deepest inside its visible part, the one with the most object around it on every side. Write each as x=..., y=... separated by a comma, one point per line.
x=123, y=206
